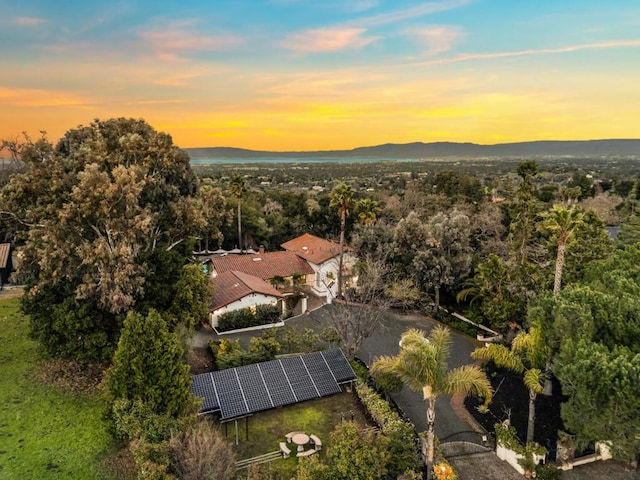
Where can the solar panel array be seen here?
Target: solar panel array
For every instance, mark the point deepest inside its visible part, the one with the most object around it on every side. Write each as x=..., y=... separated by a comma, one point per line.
x=242, y=390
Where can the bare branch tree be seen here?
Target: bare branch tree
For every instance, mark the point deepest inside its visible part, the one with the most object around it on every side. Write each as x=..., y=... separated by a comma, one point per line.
x=359, y=316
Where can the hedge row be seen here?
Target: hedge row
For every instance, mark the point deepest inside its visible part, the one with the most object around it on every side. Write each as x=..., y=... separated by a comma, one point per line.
x=402, y=446
x=245, y=318
x=382, y=413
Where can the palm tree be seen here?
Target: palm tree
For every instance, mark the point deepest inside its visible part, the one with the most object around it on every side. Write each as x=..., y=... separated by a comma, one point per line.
x=528, y=355
x=237, y=187
x=422, y=366
x=367, y=210
x=561, y=222
x=342, y=199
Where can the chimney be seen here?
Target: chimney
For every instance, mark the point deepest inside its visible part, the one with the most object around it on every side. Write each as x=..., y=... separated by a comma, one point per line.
x=261, y=249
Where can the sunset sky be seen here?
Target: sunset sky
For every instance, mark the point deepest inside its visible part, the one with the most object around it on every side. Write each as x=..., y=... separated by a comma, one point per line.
x=317, y=75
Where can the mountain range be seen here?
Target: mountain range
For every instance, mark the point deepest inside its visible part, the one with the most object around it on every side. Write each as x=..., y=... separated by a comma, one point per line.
x=624, y=147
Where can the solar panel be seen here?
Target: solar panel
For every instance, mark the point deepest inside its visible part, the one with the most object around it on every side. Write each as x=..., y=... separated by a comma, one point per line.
x=254, y=388
x=277, y=383
x=239, y=391
x=320, y=374
x=232, y=401
x=301, y=382
x=202, y=386
x=339, y=365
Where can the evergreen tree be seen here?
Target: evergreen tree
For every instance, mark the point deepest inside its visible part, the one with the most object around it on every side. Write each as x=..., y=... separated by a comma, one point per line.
x=149, y=367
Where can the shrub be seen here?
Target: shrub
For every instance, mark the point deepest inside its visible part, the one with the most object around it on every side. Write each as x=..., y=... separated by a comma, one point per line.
x=136, y=419
x=402, y=444
x=152, y=460
x=200, y=452
x=236, y=319
x=266, y=314
x=244, y=318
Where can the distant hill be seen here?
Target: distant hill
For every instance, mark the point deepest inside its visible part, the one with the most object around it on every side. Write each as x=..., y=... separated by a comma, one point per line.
x=443, y=149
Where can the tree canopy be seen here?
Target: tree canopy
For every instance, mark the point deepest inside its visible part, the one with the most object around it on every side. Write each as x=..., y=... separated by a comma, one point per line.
x=103, y=218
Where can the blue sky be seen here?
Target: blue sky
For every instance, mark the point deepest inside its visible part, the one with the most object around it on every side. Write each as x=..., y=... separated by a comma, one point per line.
x=306, y=75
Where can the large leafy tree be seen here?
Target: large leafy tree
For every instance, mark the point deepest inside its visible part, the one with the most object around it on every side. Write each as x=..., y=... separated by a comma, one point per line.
x=191, y=302
x=342, y=200
x=437, y=252
x=593, y=331
x=97, y=215
x=422, y=365
x=494, y=289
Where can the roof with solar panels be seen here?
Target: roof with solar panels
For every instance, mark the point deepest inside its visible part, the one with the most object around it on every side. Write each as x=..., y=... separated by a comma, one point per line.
x=238, y=392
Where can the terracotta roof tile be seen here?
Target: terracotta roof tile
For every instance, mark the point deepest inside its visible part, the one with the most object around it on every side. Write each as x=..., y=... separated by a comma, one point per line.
x=231, y=286
x=312, y=248
x=264, y=266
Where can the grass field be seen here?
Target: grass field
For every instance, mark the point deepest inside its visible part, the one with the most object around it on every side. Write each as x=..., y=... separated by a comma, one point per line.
x=45, y=433
x=267, y=429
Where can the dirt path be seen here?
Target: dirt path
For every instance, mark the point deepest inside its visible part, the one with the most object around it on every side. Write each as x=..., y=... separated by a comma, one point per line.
x=11, y=291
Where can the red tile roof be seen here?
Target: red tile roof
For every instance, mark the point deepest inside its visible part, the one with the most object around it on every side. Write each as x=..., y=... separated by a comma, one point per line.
x=264, y=265
x=231, y=286
x=312, y=248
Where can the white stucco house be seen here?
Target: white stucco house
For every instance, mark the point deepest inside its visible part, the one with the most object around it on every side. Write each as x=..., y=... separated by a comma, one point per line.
x=236, y=290
x=308, y=262
x=323, y=256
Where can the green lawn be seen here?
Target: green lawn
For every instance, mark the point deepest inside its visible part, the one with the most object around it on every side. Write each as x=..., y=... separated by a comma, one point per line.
x=44, y=433
x=267, y=429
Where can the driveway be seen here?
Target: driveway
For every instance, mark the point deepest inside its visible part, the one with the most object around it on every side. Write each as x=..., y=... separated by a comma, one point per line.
x=384, y=342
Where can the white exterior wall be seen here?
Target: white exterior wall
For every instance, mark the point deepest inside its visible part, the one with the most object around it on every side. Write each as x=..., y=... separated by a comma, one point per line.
x=320, y=282
x=250, y=300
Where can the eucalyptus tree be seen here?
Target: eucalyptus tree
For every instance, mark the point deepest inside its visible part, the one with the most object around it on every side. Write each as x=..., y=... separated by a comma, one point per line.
x=103, y=219
x=422, y=366
x=237, y=188
x=436, y=253
x=342, y=200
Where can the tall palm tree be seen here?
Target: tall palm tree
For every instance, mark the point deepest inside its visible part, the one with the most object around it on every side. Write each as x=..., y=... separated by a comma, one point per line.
x=561, y=222
x=422, y=366
x=237, y=188
x=342, y=199
x=528, y=356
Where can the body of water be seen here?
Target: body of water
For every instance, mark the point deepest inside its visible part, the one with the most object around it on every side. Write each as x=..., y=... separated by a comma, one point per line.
x=222, y=160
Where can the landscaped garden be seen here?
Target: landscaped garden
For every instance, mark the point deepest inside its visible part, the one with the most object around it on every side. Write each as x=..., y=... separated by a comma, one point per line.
x=45, y=432
x=267, y=429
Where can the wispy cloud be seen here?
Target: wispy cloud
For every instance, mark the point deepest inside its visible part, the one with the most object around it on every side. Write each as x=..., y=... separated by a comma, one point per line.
x=26, y=97
x=438, y=39
x=410, y=13
x=465, y=57
x=181, y=40
x=28, y=21
x=326, y=40
x=182, y=37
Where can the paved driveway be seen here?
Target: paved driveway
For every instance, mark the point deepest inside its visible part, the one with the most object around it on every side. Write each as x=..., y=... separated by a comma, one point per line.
x=385, y=342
